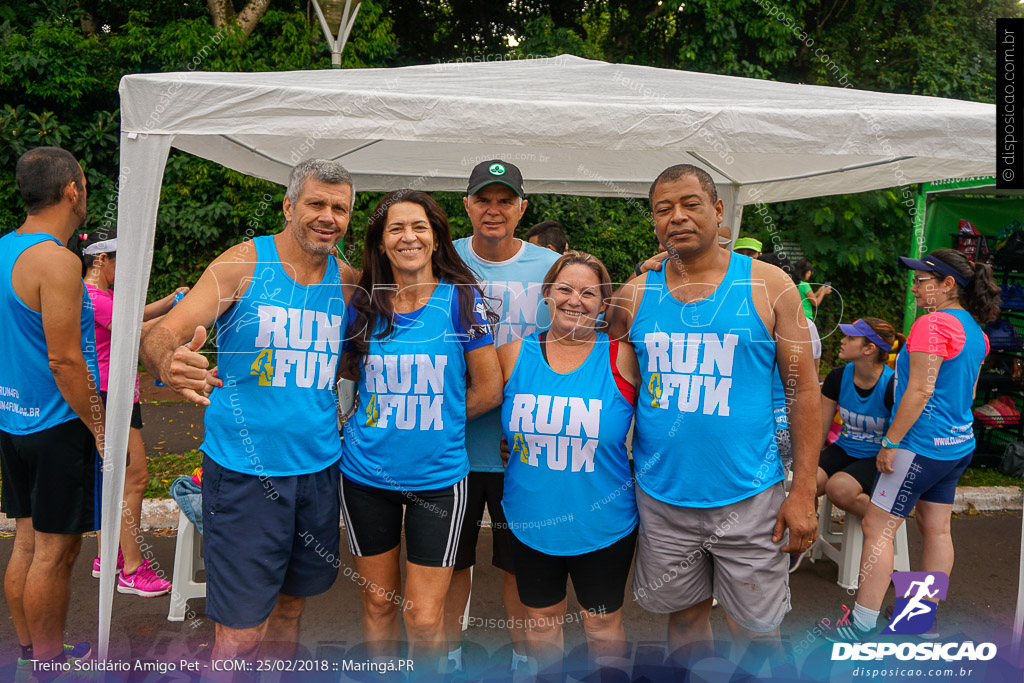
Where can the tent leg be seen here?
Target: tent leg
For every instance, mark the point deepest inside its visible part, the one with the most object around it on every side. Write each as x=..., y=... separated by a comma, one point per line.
x=737, y=220
x=142, y=168
x=1018, y=619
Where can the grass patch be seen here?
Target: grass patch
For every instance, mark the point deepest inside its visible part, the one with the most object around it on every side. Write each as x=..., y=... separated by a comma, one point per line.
x=163, y=469
x=986, y=476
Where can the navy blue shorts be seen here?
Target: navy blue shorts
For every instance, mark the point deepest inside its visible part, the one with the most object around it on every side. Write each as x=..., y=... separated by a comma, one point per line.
x=917, y=477
x=264, y=536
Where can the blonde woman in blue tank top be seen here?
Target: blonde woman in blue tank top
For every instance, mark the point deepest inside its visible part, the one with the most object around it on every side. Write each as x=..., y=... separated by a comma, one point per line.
x=930, y=441
x=568, y=496
x=420, y=349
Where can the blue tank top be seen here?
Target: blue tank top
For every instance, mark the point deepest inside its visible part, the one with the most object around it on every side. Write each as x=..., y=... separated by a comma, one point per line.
x=29, y=398
x=865, y=419
x=705, y=431
x=409, y=432
x=277, y=353
x=515, y=290
x=779, y=402
x=568, y=485
x=944, y=431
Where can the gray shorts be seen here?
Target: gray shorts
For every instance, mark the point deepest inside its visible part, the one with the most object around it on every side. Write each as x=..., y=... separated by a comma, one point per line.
x=686, y=555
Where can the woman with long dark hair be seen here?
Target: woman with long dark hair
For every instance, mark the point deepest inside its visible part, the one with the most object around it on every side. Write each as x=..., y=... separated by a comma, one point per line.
x=420, y=349
x=929, y=442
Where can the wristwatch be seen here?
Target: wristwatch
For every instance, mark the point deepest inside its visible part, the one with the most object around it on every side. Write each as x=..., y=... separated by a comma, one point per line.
x=889, y=444
x=638, y=271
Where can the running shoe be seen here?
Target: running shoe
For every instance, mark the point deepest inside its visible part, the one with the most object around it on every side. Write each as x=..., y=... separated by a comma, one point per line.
x=795, y=559
x=143, y=582
x=96, y=564
x=843, y=630
x=23, y=669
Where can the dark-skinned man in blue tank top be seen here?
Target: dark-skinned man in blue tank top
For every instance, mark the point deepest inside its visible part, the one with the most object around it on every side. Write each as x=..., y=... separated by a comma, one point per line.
x=709, y=328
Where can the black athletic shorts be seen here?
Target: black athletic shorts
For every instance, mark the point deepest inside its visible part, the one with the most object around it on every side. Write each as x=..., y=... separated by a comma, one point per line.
x=485, y=487
x=373, y=521
x=834, y=459
x=598, y=577
x=265, y=535
x=53, y=477
x=136, y=422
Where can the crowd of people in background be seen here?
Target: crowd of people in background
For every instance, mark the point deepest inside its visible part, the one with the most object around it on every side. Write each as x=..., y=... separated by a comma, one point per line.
x=494, y=373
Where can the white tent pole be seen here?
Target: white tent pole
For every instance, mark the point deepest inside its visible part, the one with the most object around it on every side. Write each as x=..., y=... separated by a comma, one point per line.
x=737, y=218
x=1018, y=619
x=141, y=174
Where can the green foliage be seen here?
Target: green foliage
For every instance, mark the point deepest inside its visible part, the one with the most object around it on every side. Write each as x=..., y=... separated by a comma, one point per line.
x=58, y=85
x=853, y=241
x=60, y=88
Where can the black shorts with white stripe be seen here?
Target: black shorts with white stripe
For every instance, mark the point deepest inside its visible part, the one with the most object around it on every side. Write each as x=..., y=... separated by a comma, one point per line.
x=433, y=520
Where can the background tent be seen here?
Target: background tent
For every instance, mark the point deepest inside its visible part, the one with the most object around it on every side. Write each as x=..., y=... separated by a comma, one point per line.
x=572, y=125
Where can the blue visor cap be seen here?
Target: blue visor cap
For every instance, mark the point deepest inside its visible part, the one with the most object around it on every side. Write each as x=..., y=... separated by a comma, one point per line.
x=861, y=329
x=930, y=264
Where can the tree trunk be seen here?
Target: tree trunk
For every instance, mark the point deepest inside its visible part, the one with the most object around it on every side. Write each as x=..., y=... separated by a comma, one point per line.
x=88, y=22
x=221, y=11
x=89, y=27
x=251, y=15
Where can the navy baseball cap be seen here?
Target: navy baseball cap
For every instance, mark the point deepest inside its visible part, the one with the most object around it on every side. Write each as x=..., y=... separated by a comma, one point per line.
x=495, y=171
x=930, y=264
x=859, y=328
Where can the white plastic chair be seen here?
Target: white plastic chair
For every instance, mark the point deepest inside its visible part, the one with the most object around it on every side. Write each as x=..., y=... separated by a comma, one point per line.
x=845, y=547
x=188, y=560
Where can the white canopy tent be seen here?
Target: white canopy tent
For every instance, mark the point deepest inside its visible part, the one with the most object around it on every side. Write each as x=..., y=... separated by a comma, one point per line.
x=573, y=126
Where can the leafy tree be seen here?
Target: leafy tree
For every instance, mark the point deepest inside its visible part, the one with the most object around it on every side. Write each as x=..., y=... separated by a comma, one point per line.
x=61, y=61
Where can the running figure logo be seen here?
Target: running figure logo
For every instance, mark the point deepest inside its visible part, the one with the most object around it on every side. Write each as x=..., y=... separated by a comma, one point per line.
x=914, y=612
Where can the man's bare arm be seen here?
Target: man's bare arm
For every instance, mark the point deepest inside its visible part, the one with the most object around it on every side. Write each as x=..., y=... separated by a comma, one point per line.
x=60, y=304
x=170, y=349
x=623, y=307
x=796, y=369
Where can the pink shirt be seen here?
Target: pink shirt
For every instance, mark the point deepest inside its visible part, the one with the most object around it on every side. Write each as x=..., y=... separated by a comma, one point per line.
x=103, y=312
x=938, y=333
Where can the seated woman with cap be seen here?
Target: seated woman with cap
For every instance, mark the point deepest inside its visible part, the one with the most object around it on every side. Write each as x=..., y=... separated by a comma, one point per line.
x=863, y=390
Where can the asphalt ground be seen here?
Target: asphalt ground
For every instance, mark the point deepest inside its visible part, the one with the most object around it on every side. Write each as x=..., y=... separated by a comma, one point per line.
x=980, y=607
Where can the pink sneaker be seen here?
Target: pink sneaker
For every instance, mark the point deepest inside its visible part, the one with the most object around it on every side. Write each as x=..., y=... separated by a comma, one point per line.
x=143, y=581
x=96, y=564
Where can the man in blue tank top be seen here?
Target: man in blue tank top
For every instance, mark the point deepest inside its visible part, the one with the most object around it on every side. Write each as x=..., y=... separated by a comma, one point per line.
x=511, y=272
x=270, y=475
x=709, y=329
x=51, y=417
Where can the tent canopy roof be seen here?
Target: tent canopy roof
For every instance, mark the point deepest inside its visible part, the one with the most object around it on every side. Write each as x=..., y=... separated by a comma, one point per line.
x=572, y=125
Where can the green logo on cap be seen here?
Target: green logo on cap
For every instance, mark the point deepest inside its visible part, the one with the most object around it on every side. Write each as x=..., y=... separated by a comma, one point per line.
x=497, y=169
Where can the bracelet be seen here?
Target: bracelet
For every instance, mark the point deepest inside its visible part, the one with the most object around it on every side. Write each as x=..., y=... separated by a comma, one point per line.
x=638, y=271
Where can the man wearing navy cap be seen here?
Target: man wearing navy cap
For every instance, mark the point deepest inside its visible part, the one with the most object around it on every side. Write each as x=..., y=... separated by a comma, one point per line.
x=511, y=271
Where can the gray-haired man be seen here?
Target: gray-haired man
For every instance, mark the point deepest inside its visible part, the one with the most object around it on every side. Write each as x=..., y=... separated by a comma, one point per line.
x=270, y=474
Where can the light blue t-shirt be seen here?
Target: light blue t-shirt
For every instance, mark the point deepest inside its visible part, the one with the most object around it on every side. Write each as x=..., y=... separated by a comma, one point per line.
x=514, y=286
